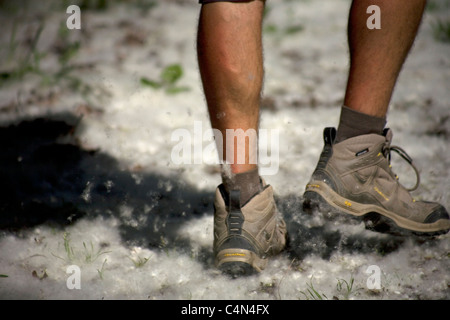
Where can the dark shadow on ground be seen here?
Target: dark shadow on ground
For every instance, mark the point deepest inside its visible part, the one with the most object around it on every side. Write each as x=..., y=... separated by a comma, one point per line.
x=46, y=179
x=323, y=233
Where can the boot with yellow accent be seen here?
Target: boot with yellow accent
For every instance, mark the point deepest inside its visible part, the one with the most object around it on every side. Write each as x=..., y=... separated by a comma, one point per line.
x=246, y=236
x=355, y=177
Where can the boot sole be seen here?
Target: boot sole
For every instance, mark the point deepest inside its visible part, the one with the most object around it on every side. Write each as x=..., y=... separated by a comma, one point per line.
x=319, y=195
x=239, y=262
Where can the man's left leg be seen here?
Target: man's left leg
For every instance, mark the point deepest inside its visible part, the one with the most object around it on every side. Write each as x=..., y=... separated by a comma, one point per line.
x=248, y=229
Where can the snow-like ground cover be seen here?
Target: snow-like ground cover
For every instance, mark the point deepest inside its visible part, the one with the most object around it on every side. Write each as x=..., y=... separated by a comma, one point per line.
x=88, y=177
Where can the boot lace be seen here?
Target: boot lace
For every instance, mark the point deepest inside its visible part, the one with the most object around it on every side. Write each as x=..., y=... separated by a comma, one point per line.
x=387, y=153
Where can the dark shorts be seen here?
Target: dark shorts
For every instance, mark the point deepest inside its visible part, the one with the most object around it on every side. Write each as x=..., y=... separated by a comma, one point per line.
x=208, y=1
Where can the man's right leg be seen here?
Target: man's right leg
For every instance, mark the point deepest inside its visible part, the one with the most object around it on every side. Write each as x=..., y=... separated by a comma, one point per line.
x=247, y=225
x=354, y=174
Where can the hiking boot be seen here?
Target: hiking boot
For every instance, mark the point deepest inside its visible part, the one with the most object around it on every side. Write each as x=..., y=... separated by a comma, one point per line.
x=355, y=177
x=246, y=236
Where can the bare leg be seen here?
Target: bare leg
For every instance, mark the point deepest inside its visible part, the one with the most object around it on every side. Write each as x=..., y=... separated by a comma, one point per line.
x=376, y=60
x=377, y=55
x=231, y=67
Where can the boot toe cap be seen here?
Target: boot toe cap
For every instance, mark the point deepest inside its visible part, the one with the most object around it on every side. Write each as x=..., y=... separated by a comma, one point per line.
x=439, y=213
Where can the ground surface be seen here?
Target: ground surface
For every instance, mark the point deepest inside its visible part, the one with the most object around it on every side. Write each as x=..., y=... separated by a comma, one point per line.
x=89, y=179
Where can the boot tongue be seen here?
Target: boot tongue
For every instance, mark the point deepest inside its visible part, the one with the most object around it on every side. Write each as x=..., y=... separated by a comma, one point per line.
x=388, y=134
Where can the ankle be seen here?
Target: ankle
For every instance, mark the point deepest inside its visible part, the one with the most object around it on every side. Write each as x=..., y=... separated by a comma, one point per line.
x=353, y=123
x=248, y=183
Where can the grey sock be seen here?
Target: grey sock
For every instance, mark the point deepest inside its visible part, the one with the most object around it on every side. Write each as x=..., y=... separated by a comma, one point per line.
x=248, y=183
x=353, y=123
